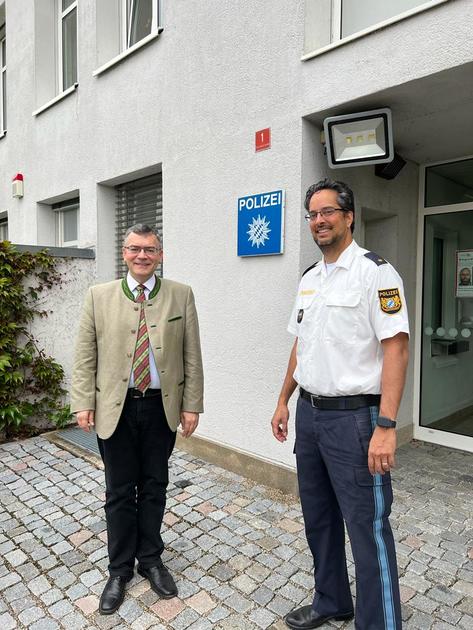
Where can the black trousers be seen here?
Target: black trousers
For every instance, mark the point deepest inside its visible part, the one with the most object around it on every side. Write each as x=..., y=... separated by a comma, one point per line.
x=136, y=477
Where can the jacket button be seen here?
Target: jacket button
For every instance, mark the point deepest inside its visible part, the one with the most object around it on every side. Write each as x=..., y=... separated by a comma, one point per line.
x=124, y=380
x=133, y=332
x=118, y=403
x=129, y=355
x=136, y=308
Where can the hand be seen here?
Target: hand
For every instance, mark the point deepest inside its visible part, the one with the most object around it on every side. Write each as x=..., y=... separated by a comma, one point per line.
x=279, y=422
x=85, y=419
x=189, y=422
x=381, y=450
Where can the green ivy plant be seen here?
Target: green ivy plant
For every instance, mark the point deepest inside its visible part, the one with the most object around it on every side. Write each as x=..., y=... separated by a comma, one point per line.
x=31, y=383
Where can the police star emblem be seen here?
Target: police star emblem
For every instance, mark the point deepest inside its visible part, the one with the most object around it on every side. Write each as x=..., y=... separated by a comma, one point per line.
x=390, y=301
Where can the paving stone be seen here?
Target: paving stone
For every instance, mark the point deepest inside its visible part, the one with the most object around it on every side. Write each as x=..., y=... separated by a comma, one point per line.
x=167, y=609
x=60, y=609
x=30, y=615
x=7, y=622
x=201, y=602
x=44, y=624
x=8, y=579
x=262, y=618
x=16, y=557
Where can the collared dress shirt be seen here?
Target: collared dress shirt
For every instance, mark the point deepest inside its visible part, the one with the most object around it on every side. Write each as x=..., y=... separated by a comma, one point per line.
x=340, y=319
x=149, y=286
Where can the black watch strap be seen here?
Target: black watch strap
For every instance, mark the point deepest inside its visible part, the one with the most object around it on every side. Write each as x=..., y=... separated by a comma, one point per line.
x=383, y=421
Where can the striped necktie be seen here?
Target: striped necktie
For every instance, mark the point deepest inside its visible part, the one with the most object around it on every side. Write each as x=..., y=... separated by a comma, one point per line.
x=141, y=371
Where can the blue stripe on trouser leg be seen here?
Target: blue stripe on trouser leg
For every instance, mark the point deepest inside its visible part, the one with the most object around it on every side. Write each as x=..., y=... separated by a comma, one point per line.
x=331, y=449
x=383, y=560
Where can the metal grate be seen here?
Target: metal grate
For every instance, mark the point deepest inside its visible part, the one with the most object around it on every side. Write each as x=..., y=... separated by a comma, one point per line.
x=78, y=437
x=140, y=201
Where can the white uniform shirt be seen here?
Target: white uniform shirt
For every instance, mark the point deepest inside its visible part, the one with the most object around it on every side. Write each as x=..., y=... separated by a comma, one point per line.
x=340, y=320
x=149, y=286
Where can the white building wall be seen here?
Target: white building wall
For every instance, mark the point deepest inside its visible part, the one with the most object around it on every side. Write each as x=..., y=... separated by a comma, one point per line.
x=189, y=103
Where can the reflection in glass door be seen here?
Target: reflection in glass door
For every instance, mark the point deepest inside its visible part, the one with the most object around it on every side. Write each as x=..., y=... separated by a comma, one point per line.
x=446, y=395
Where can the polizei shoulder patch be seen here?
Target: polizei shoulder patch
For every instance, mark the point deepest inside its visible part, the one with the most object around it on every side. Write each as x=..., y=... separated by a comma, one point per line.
x=390, y=301
x=375, y=258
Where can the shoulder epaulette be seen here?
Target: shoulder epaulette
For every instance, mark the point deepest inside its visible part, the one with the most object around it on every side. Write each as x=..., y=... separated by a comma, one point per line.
x=375, y=258
x=309, y=268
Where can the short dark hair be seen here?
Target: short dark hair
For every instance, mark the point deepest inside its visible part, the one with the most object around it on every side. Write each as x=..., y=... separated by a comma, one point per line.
x=345, y=197
x=144, y=229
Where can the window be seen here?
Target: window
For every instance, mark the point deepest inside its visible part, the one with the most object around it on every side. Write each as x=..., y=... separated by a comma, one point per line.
x=329, y=22
x=139, y=201
x=122, y=26
x=139, y=19
x=3, y=229
x=55, y=28
x=67, y=223
x=67, y=37
x=3, y=80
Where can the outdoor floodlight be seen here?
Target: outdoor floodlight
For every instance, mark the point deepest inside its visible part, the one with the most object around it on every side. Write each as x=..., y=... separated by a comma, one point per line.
x=361, y=138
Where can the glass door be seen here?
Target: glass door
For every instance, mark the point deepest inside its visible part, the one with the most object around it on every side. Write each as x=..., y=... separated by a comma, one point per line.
x=446, y=348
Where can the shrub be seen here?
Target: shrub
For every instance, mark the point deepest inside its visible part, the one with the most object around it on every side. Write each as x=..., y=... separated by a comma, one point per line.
x=31, y=383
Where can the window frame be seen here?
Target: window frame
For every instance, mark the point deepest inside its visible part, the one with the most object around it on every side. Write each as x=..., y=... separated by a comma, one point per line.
x=3, y=73
x=337, y=40
x=60, y=209
x=126, y=11
x=4, y=228
x=61, y=15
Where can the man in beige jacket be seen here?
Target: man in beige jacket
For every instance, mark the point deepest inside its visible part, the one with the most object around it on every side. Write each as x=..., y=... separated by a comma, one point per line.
x=137, y=375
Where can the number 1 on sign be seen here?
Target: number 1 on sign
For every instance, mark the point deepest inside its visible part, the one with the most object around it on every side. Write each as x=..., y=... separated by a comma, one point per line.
x=263, y=139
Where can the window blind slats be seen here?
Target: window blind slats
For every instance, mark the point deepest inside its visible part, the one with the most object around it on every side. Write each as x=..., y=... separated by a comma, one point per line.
x=140, y=201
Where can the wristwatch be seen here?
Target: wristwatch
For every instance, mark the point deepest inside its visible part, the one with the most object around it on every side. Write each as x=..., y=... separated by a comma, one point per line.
x=383, y=421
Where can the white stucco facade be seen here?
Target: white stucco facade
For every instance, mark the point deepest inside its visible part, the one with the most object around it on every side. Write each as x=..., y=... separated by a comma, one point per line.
x=189, y=103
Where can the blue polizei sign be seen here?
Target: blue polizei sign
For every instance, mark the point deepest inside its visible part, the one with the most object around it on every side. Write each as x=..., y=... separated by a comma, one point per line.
x=260, y=224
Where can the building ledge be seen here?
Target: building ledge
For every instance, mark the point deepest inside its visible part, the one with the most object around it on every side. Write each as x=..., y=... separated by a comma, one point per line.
x=59, y=252
x=126, y=53
x=55, y=100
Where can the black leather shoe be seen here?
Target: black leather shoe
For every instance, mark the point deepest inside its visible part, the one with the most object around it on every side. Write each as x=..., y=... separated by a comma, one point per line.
x=160, y=579
x=306, y=618
x=113, y=594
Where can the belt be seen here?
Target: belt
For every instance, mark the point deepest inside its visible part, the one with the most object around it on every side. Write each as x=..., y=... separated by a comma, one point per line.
x=136, y=393
x=341, y=402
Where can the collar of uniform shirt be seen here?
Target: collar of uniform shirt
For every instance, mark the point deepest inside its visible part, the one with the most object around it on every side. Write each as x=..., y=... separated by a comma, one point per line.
x=132, y=284
x=346, y=257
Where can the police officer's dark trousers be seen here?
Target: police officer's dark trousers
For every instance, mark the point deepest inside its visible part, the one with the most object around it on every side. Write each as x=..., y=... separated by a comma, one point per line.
x=136, y=476
x=335, y=485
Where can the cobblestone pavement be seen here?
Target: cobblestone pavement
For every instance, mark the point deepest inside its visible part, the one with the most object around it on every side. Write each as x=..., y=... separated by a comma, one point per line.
x=237, y=549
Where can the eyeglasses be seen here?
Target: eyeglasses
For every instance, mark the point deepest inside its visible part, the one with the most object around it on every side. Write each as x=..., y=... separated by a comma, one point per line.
x=325, y=213
x=149, y=251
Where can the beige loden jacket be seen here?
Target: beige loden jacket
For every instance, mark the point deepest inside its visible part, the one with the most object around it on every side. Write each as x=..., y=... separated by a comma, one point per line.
x=106, y=344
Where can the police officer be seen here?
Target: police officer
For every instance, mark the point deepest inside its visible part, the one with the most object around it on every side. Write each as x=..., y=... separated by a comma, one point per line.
x=349, y=360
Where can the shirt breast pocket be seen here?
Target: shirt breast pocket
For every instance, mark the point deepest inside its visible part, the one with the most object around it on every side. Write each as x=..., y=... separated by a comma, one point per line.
x=303, y=315
x=342, y=317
